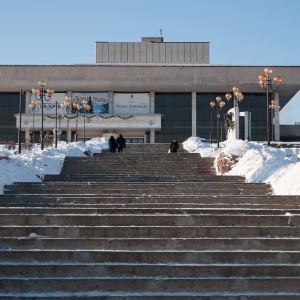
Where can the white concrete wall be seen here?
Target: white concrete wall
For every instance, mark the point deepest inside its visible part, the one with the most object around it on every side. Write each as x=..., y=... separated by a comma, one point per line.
x=185, y=78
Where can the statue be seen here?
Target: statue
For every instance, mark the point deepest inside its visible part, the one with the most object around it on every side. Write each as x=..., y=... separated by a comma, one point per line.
x=228, y=124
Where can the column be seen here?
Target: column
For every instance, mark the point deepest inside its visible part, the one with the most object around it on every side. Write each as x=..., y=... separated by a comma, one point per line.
x=69, y=128
x=275, y=122
x=194, y=113
x=27, y=138
x=152, y=102
x=111, y=102
x=152, y=111
x=237, y=121
x=27, y=101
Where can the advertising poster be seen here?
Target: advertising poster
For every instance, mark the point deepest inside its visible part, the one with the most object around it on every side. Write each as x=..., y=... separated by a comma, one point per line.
x=97, y=101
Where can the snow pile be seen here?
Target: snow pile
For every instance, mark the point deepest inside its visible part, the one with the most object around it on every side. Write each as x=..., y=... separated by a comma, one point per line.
x=256, y=162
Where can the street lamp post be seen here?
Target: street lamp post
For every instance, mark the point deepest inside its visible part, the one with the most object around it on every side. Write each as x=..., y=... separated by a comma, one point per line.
x=273, y=108
x=79, y=106
x=56, y=129
x=34, y=107
x=236, y=97
x=86, y=107
x=266, y=84
x=42, y=95
x=218, y=105
x=211, y=127
x=67, y=106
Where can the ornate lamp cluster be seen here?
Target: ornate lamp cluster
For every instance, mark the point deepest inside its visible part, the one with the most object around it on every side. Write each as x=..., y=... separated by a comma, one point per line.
x=82, y=105
x=273, y=105
x=42, y=95
x=236, y=96
x=265, y=80
x=66, y=105
x=33, y=106
x=218, y=104
x=266, y=84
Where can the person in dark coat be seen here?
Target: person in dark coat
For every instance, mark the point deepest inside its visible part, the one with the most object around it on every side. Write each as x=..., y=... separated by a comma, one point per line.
x=112, y=144
x=174, y=146
x=31, y=137
x=121, y=143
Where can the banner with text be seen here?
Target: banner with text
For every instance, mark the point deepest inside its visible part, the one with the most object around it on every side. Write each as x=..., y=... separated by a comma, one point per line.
x=136, y=104
x=49, y=106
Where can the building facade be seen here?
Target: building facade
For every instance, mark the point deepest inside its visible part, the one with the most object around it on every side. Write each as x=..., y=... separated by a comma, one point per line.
x=150, y=92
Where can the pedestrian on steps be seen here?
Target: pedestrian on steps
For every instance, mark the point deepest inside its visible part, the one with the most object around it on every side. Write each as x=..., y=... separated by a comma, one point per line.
x=112, y=144
x=174, y=146
x=121, y=143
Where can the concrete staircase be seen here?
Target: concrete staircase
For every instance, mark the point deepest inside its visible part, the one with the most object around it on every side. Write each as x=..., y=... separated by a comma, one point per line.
x=145, y=224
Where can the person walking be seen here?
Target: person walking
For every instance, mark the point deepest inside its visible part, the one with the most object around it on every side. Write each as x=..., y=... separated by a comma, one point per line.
x=31, y=136
x=174, y=146
x=121, y=143
x=112, y=144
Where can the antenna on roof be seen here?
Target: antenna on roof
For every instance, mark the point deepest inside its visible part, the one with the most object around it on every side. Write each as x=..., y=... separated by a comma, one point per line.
x=160, y=32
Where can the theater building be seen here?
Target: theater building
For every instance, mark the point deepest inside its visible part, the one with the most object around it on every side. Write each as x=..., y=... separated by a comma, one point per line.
x=149, y=91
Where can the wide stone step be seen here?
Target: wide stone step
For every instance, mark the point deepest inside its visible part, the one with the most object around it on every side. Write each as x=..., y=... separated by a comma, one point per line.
x=137, y=157
x=197, y=244
x=253, y=201
x=140, y=188
x=156, y=295
x=137, y=163
x=172, y=209
x=155, y=219
x=107, y=231
x=140, y=193
x=168, y=169
x=145, y=285
x=136, y=185
x=151, y=256
x=80, y=270
x=123, y=177
x=165, y=176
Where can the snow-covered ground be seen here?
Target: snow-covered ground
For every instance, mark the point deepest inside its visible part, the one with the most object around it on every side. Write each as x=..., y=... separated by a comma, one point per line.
x=256, y=161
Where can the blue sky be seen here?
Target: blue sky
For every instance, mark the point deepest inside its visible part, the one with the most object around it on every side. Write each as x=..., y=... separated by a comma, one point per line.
x=240, y=32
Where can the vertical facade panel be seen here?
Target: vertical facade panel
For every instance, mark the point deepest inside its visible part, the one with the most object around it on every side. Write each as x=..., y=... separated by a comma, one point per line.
x=117, y=52
x=155, y=52
x=124, y=52
x=111, y=52
x=105, y=56
x=143, y=52
x=199, y=53
x=174, y=53
x=206, y=53
x=181, y=53
x=162, y=52
x=168, y=52
x=137, y=52
x=193, y=53
x=130, y=52
x=149, y=52
x=99, y=55
x=187, y=53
